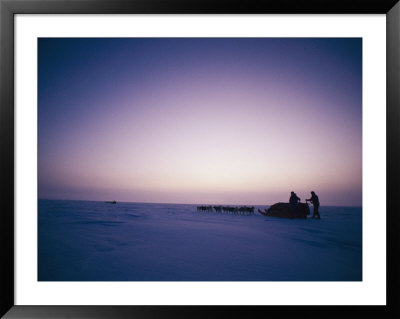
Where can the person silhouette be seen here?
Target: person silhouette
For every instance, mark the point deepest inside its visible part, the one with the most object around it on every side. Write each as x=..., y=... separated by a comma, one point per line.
x=294, y=199
x=315, y=201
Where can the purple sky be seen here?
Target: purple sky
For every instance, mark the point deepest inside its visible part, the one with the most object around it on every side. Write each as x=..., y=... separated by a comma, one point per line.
x=224, y=121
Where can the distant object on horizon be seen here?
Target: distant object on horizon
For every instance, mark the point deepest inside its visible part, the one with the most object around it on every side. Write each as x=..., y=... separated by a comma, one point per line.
x=287, y=210
x=111, y=202
x=243, y=210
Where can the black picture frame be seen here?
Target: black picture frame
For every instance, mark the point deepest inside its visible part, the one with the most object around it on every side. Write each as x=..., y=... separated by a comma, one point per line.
x=8, y=8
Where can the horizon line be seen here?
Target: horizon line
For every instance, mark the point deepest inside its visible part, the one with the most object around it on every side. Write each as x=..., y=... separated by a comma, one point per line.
x=137, y=202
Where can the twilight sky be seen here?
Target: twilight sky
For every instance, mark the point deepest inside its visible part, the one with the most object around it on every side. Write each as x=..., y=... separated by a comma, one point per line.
x=200, y=120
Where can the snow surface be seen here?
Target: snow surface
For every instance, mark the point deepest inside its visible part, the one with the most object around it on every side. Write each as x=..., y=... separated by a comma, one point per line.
x=96, y=241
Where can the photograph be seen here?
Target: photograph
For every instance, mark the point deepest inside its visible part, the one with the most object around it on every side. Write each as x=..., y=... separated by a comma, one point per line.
x=200, y=159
